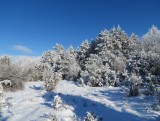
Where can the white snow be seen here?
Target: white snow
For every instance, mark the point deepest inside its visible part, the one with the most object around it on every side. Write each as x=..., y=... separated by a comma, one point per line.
x=35, y=104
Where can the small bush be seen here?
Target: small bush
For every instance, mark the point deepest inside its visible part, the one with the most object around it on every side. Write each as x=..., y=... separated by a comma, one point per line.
x=133, y=90
x=150, y=89
x=57, y=101
x=51, y=78
x=90, y=117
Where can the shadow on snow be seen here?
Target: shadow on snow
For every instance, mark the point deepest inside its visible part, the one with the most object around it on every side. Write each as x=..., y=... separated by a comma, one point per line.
x=36, y=87
x=82, y=105
x=3, y=118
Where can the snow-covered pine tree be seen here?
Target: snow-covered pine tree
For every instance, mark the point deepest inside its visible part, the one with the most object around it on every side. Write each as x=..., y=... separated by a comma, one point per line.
x=135, y=44
x=54, y=57
x=104, y=47
x=95, y=71
x=69, y=65
x=93, y=67
x=51, y=63
x=83, y=52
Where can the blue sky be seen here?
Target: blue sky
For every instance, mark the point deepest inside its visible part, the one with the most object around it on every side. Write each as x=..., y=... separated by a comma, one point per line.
x=29, y=27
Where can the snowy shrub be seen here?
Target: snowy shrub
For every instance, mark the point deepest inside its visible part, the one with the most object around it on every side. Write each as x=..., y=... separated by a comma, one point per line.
x=131, y=83
x=51, y=78
x=134, y=83
x=57, y=101
x=85, y=76
x=156, y=104
x=150, y=88
x=133, y=90
x=124, y=78
x=112, y=79
x=81, y=82
x=89, y=117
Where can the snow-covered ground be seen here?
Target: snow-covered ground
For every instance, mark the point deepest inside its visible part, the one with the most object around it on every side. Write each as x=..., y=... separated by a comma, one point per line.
x=110, y=104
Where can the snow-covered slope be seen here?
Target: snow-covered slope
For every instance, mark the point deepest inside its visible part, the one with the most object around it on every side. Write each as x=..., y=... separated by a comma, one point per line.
x=111, y=104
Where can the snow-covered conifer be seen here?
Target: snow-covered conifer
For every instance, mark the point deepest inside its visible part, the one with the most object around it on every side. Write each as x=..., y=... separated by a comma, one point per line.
x=95, y=68
x=83, y=52
x=69, y=65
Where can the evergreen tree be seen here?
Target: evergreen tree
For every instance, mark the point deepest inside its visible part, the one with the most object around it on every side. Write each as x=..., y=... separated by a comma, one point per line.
x=83, y=52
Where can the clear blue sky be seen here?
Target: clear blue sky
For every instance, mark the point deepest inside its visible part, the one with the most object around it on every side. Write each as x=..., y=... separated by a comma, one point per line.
x=29, y=27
